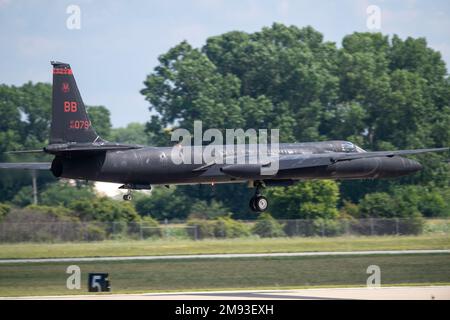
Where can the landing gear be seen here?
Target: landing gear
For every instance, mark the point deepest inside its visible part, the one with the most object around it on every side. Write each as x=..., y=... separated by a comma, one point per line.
x=129, y=187
x=258, y=203
x=128, y=196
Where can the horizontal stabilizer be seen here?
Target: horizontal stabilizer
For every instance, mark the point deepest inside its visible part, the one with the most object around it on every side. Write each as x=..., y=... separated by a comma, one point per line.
x=26, y=165
x=88, y=147
x=25, y=151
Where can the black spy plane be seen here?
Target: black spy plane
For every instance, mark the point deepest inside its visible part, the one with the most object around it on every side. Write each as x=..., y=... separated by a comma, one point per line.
x=80, y=153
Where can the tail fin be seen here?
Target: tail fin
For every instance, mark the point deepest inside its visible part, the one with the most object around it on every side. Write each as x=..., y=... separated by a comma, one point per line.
x=70, y=122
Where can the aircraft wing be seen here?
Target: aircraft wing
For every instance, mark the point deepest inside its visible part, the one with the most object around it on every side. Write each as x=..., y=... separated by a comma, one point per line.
x=298, y=161
x=374, y=154
x=26, y=165
x=287, y=162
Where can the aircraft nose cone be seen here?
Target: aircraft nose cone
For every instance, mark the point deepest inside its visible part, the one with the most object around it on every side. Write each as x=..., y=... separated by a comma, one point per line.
x=414, y=166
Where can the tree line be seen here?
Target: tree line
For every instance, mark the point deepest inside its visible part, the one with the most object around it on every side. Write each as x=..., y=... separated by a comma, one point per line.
x=379, y=92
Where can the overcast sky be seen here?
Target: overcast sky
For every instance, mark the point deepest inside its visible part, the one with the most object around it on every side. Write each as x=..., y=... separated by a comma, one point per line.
x=119, y=41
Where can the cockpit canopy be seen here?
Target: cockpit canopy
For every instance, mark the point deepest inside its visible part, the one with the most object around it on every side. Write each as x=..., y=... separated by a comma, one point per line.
x=347, y=146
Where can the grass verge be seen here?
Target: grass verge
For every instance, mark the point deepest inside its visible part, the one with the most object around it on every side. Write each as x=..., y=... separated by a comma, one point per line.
x=246, y=245
x=221, y=274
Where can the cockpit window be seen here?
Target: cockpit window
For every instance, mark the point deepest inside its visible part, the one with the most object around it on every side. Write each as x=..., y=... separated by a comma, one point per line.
x=348, y=147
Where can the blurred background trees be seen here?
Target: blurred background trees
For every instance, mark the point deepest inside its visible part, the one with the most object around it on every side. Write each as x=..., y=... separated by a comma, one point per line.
x=377, y=91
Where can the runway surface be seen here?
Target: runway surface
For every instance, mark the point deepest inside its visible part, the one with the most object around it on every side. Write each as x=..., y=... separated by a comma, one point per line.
x=383, y=293
x=223, y=256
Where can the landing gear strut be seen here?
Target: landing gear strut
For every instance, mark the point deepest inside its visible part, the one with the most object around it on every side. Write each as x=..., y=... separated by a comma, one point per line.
x=129, y=187
x=258, y=202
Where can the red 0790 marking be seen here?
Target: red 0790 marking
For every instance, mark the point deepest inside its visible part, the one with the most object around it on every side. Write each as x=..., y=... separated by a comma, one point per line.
x=79, y=124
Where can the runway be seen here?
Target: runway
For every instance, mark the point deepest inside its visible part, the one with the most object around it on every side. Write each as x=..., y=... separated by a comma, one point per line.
x=222, y=256
x=383, y=293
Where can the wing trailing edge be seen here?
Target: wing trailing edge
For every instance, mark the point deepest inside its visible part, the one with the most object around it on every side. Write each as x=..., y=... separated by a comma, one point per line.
x=375, y=154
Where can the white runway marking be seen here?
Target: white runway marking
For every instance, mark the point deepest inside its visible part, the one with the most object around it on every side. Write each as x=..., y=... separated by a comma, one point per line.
x=383, y=293
x=222, y=256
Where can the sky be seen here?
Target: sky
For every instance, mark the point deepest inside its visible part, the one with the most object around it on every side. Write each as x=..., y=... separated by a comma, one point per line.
x=118, y=43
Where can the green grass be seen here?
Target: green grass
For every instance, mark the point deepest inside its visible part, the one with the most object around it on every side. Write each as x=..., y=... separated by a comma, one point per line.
x=250, y=245
x=220, y=274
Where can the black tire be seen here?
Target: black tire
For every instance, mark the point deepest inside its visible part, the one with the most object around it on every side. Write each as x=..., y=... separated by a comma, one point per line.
x=261, y=204
x=127, y=197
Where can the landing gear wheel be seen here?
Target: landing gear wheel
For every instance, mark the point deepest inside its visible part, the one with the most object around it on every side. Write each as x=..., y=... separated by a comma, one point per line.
x=127, y=197
x=258, y=203
x=261, y=203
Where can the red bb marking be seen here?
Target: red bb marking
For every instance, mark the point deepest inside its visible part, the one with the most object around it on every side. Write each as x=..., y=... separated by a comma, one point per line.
x=70, y=106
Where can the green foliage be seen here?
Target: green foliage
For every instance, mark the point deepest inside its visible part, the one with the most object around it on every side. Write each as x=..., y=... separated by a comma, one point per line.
x=100, y=118
x=163, y=203
x=150, y=227
x=267, y=227
x=405, y=202
x=54, y=194
x=62, y=194
x=222, y=227
x=23, y=197
x=378, y=204
x=435, y=203
x=349, y=210
x=404, y=92
x=280, y=77
x=437, y=226
x=55, y=211
x=203, y=210
x=379, y=92
x=24, y=124
x=413, y=225
x=133, y=133
x=202, y=228
x=94, y=233
x=305, y=200
x=430, y=202
x=225, y=227
x=328, y=227
x=4, y=210
x=10, y=120
x=32, y=116
x=104, y=209
x=40, y=223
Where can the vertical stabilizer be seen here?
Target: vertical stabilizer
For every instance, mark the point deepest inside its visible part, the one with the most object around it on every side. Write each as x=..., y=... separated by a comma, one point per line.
x=70, y=122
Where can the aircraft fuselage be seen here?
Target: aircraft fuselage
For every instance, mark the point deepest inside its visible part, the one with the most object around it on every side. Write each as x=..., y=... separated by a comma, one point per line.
x=154, y=165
